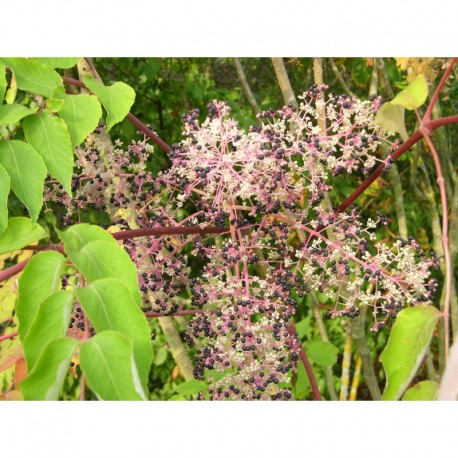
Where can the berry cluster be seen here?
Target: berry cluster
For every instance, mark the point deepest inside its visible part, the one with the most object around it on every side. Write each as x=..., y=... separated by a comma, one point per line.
x=269, y=187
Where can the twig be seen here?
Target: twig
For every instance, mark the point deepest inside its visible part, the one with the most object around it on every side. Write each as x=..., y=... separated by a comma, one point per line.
x=245, y=85
x=393, y=174
x=340, y=79
x=12, y=335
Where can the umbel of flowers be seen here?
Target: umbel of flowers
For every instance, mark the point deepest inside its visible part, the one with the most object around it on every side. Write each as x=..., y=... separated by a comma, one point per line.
x=267, y=190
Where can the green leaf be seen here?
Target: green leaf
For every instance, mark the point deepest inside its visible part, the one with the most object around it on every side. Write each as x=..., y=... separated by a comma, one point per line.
x=11, y=93
x=110, y=305
x=54, y=105
x=40, y=278
x=33, y=76
x=216, y=375
x=117, y=99
x=422, y=391
x=11, y=114
x=302, y=386
x=414, y=95
x=177, y=397
x=108, y=361
x=391, y=118
x=160, y=357
x=101, y=259
x=50, y=323
x=303, y=327
x=3, y=82
x=75, y=237
x=27, y=172
x=19, y=233
x=45, y=381
x=4, y=191
x=191, y=387
x=322, y=353
x=49, y=136
x=82, y=114
x=58, y=62
x=408, y=342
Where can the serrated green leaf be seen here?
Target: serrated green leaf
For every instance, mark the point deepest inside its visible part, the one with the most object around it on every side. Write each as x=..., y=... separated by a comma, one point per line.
x=4, y=191
x=75, y=237
x=27, y=172
x=82, y=113
x=414, y=95
x=3, y=82
x=422, y=391
x=100, y=259
x=116, y=99
x=11, y=114
x=51, y=323
x=108, y=361
x=322, y=353
x=191, y=387
x=40, y=278
x=110, y=305
x=19, y=233
x=58, y=62
x=406, y=347
x=33, y=76
x=49, y=136
x=45, y=381
x=391, y=118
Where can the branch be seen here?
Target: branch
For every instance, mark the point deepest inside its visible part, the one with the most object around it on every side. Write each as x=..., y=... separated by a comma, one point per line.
x=439, y=87
x=121, y=235
x=283, y=81
x=151, y=231
x=8, y=273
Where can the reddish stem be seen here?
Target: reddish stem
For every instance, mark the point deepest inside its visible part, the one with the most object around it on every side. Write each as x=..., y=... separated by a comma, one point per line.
x=308, y=368
x=378, y=171
x=9, y=336
x=435, y=123
x=13, y=270
x=181, y=313
x=439, y=87
x=121, y=235
x=445, y=244
x=150, y=231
